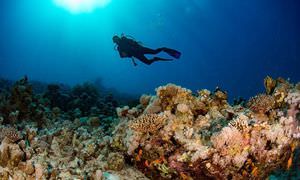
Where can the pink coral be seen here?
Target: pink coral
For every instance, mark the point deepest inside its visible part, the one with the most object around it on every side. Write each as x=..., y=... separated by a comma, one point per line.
x=293, y=99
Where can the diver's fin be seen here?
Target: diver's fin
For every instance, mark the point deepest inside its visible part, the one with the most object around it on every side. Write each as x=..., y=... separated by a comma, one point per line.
x=172, y=52
x=161, y=59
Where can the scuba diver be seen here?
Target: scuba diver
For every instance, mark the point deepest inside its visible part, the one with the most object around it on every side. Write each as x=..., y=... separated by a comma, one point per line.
x=129, y=48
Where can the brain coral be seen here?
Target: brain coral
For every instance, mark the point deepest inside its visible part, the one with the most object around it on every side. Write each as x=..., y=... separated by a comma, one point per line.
x=147, y=123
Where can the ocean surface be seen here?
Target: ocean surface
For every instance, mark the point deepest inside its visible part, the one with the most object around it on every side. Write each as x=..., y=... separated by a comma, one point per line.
x=230, y=44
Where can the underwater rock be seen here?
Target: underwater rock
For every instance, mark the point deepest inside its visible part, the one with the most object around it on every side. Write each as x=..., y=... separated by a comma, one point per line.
x=93, y=121
x=27, y=167
x=10, y=154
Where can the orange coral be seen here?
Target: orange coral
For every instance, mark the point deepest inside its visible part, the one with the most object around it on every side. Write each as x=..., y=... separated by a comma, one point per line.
x=138, y=157
x=290, y=162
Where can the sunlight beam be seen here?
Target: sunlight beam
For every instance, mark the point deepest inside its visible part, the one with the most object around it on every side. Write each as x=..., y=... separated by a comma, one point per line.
x=81, y=6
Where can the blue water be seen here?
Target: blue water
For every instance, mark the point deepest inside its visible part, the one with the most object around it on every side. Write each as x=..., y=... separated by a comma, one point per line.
x=232, y=44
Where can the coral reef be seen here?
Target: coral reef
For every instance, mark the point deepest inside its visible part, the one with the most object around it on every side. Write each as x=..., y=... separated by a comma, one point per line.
x=204, y=137
x=174, y=134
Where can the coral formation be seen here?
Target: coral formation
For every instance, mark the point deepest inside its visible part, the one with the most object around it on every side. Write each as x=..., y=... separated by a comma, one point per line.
x=174, y=134
x=270, y=84
x=261, y=103
x=11, y=133
x=205, y=137
x=147, y=123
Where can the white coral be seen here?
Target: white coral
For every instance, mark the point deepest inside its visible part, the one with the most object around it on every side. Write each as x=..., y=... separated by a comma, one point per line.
x=228, y=136
x=293, y=98
x=132, y=141
x=240, y=122
x=183, y=108
x=202, y=153
x=154, y=106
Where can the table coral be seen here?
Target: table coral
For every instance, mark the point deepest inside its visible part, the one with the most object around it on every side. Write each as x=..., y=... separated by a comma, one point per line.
x=147, y=123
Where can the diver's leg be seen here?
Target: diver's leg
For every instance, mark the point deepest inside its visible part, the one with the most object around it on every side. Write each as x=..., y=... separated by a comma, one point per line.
x=161, y=59
x=172, y=52
x=147, y=61
x=144, y=59
x=145, y=50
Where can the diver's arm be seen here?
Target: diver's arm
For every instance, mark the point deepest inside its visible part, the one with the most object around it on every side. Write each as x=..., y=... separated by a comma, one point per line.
x=121, y=53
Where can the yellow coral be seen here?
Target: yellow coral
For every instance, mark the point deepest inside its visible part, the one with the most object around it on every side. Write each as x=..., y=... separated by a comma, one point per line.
x=171, y=95
x=147, y=123
x=270, y=84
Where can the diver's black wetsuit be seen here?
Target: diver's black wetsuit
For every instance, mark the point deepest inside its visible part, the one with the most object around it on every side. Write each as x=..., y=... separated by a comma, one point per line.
x=130, y=48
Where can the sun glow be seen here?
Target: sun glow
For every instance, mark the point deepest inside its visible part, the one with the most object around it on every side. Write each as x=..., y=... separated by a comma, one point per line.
x=81, y=6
